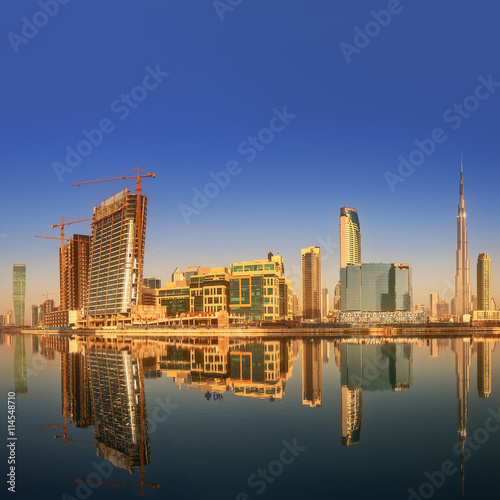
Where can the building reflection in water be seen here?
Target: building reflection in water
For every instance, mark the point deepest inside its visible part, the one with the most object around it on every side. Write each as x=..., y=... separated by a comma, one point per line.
x=462, y=348
x=369, y=367
x=103, y=379
x=312, y=355
x=484, y=349
x=20, y=373
x=118, y=406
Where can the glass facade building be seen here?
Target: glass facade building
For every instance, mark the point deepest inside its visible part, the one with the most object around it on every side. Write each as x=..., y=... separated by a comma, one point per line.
x=115, y=263
x=376, y=288
x=19, y=292
x=350, y=237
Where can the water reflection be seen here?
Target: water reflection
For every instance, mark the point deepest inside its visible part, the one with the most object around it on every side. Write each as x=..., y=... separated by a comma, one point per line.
x=103, y=379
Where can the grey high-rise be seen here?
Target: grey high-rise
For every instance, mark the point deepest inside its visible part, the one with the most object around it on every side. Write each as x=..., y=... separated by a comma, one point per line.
x=19, y=289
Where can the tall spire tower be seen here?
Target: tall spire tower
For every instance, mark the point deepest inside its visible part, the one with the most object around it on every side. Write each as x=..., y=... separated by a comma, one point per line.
x=463, y=297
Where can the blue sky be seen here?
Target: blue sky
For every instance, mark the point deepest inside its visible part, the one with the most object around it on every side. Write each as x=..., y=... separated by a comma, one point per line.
x=226, y=80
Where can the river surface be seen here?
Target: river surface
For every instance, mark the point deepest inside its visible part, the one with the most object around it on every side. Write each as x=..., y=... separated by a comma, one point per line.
x=262, y=418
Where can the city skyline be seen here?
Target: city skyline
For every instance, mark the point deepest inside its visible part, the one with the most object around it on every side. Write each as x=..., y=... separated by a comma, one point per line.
x=349, y=123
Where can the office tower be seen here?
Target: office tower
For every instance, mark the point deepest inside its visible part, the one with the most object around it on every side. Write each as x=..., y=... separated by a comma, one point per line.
x=463, y=294
x=312, y=372
x=2, y=320
x=325, y=302
x=8, y=318
x=434, y=299
x=483, y=282
x=74, y=279
x=152, y=283
x=336, y=297
x=34, y=315
x=19, y=292
x=116, y=258
x=311, y=282
x=484, y=368
x=259, y=290
x=376, y=288
x=350, y=237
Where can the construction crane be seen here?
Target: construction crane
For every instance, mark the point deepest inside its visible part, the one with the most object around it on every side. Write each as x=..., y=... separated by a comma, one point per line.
x=138, y=216
x=66, y=439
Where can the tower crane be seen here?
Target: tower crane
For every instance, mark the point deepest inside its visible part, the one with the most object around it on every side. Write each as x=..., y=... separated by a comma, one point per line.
x=138, y=215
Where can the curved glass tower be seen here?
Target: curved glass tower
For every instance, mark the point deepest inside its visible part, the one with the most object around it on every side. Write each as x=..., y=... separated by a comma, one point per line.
x=350, y=237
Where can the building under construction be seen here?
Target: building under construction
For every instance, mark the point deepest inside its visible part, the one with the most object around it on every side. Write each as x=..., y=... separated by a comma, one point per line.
x=116, y=259
x=74, y=273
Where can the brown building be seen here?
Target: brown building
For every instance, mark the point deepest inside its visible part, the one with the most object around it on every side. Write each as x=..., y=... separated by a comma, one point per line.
x=74, y=273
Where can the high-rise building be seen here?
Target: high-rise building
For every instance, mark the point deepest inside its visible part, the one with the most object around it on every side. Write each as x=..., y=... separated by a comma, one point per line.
x=2, y=320
x=336, y=297
x=350, y=237
x=463, y=295
x=19, y=287
x=325, y=302
x=116, y=258
x=483, y=282
x=311, y=282
x=75, y=272
x=8, y=318
x=434, y=299
x=34, y=315
x=152, y=283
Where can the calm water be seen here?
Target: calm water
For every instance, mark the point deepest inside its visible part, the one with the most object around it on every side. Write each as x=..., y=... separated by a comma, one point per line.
x=243, y=419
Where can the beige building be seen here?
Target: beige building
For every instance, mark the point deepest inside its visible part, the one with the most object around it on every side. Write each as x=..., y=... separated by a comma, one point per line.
x=350, y=237
x=311, y=283
x=483, y=282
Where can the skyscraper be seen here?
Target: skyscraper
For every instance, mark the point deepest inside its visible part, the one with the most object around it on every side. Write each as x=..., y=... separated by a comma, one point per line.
x=311, y=282
x=350, y=237
x=483, y=282
x=325, y=302
x=463, y=295
x=115, y=277
x=434, y=299
x=74, y=280
x=19, y=287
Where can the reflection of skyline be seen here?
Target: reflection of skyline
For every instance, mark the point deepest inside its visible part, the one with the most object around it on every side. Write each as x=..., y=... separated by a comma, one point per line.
x=102, y=380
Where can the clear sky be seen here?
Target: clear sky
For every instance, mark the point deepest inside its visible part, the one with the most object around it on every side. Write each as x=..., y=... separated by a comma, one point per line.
x=346, y=106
